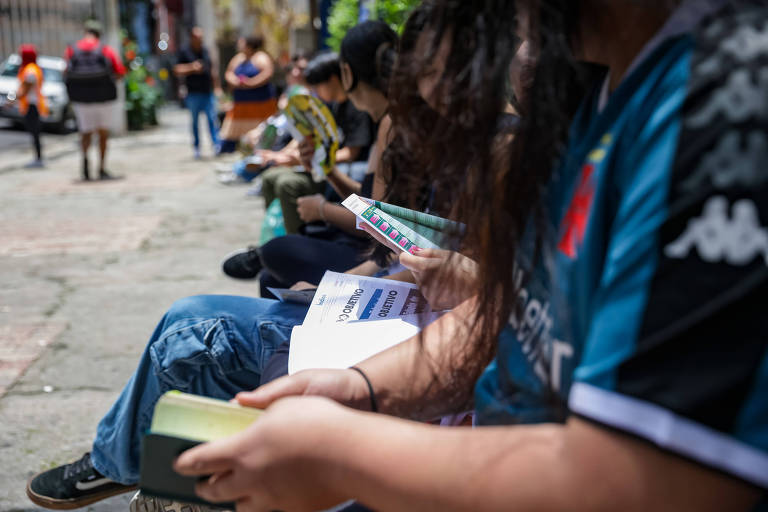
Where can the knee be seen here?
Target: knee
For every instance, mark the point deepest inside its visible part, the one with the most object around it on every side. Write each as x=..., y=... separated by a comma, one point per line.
x=188, y=307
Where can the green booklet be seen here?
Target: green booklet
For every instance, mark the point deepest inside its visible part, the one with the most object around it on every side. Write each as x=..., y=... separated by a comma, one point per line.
x=181, y=421
x=406, y=229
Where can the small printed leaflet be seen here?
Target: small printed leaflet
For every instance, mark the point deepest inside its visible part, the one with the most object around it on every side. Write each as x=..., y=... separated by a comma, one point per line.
x=355, y=317
x=181, y=421
x=307, y=116
x=408, y=230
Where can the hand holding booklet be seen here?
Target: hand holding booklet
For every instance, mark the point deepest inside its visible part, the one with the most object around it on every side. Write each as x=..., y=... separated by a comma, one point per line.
x=408, y=230
x=308, y=116
x=350, y=318
x=355, y=317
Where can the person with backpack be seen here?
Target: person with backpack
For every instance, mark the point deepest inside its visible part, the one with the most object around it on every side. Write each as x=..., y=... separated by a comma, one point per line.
x=92, y=71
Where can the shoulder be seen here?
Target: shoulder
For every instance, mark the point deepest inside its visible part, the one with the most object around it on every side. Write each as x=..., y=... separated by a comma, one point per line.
x=262, y=59
x=108, y=51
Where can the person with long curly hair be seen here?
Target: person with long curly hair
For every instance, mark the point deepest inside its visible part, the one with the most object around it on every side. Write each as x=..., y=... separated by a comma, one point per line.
x=613, y=339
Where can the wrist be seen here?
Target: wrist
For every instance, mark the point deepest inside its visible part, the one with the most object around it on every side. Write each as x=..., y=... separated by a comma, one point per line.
x=364, y=396
x=321, y=209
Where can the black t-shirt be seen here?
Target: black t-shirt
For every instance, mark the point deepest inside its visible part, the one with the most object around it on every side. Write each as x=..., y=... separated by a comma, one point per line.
x=197, y=82
x=355, y=128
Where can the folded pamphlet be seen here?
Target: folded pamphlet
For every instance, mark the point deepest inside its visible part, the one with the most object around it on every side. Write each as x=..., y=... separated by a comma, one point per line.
x=181, y=421
x=352, y=318
x=307, y=116
x=408, y=230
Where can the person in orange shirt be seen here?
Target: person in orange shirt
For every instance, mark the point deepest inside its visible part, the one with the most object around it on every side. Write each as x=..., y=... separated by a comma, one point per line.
x=30, y=98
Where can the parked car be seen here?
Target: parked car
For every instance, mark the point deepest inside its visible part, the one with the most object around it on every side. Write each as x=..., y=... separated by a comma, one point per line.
x=54, y=90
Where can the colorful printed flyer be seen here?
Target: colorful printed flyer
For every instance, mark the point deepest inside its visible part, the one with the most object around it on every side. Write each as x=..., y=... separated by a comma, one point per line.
x=408, y=230
x=307, y=116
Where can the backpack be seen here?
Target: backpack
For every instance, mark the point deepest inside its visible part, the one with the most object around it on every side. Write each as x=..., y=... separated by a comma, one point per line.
x=89, y=77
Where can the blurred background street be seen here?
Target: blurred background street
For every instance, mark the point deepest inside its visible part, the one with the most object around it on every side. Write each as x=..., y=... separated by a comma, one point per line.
x=86, y=271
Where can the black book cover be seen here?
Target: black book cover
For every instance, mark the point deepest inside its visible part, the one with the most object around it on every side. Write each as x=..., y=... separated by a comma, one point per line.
x=157, y=477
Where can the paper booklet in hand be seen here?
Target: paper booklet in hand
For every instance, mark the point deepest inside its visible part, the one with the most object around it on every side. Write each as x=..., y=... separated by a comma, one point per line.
x=181, y=421
x=307, y=116
x=355, y=317
x=408, y=230
x=350, y=318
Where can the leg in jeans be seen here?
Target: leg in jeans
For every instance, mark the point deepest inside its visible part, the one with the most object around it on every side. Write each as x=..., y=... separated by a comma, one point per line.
x=207, y=345
x=210, y=114
x=34, y=126
x=195, y=105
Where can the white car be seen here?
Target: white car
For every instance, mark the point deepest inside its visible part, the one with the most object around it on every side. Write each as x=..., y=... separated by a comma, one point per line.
x=54, y=90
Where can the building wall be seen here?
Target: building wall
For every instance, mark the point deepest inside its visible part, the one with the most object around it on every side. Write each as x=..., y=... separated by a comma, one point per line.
x=49, y=24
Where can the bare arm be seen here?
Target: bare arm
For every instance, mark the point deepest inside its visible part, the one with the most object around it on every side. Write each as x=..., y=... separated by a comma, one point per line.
x=309, y=453
x=575, y=467
x=187, y=68
x=266, y=65
x=348, y=154
x=412, y=379
x=229, y=75
x=316, y=207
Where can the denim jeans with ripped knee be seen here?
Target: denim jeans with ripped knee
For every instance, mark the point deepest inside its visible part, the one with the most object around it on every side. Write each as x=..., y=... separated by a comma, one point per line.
x=211, y=345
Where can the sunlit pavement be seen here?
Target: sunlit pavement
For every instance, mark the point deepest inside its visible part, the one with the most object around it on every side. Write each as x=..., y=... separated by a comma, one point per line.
x=86, y=270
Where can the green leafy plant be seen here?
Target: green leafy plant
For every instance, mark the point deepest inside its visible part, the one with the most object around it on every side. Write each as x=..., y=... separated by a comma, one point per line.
x=142, y=93
x=345, y=14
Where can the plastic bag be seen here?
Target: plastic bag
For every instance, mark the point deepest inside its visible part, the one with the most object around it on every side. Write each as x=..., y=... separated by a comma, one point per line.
x=273, y=225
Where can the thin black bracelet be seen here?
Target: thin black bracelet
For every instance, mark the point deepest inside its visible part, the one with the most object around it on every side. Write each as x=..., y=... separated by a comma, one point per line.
x=374, y=407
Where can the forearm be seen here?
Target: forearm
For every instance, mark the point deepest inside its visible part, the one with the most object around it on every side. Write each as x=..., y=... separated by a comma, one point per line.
x=259, y=80
x=392, y=464
x=183, y=69
x=366, y=268
x=231, y=78
x=433, y=373
x=340, y=217
x=405, y=276
x=347, y=154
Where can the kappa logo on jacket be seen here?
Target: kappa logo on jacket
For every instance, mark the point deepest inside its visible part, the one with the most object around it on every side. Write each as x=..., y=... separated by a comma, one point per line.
x=737, y=240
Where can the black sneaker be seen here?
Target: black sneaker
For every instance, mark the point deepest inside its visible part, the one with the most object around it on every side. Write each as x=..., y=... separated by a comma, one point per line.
x=72, y=486
x=243, y=264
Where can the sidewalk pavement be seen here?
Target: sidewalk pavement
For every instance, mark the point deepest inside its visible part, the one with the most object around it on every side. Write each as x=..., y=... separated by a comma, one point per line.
x=86, y=271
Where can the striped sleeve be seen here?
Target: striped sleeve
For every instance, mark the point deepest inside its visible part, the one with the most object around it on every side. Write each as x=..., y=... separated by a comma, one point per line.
x=693, y=378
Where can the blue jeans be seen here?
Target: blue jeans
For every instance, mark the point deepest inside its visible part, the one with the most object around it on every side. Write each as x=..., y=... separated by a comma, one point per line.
x=211, y=345
x=203, y=102
x=241, y=169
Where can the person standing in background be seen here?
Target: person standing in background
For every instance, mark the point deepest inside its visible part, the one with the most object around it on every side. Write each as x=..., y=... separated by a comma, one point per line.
x=194, y=64
x=32, y=104
x=92, y=72
x=249, y=74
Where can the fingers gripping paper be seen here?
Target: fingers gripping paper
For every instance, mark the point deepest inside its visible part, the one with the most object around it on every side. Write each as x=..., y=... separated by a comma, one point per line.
x=408, y=230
